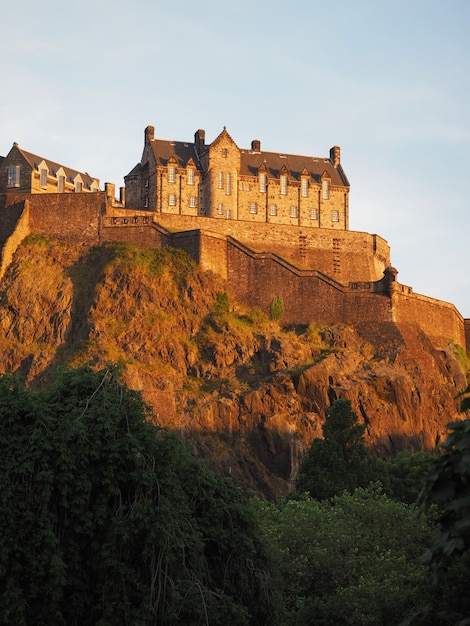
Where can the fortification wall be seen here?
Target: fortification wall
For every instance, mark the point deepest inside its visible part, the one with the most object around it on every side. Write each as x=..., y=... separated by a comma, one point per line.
x=309, y=295
x=345, y=255
x=135, y=228
x=14, y=227
x=436, y=318
x=70, y=216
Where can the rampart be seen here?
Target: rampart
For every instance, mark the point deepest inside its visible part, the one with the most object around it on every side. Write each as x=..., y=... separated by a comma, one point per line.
x=345, y=255
x=260, y=262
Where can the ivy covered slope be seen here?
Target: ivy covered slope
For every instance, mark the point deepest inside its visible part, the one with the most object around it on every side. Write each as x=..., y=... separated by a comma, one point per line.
x=251, y=394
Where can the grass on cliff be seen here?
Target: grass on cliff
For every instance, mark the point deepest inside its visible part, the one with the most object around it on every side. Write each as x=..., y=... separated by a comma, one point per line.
x=152, y=261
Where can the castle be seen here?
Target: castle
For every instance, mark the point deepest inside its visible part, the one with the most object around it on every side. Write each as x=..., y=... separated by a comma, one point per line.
x=271, y=224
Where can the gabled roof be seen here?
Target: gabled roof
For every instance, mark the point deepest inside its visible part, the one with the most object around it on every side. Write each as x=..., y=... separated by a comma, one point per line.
x=34, y=160
x=164, y=150
x=223, y=135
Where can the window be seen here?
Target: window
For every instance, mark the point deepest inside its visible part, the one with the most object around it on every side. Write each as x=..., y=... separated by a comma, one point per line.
x=224, y=152
x=146, y=201
x=248, y=186
x=313, y=214
x=192, y=201
x=229, y=214
x=272, y=209
x=335, y=216
x=304, y=187
x=13, y=176
x=325, y=189
x=240, y=186
x=171, y=173
x=78, y=186
x=293, y=211
x=172, y=199
x=60, y=184
x=221, y=180
x=253, y=208
x=220, y=208
x=262, y=183
x=43, y=177
x=228, y=184
x=190, y=179
x=283, y=184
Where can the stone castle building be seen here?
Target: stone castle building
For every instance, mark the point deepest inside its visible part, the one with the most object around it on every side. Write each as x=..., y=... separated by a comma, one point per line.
x=271, y=224
x=24, y=172
x=223, y=181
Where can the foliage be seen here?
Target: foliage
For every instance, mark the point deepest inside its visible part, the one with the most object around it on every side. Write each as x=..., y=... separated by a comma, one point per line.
x=447, y=492
x=107, y=519
x=154, y=261
x=340, y=461
x=276, y=308
x=403, y=476
x=350, y=560
x=222, y=303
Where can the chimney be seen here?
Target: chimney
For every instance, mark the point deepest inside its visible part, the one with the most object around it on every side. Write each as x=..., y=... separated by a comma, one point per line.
x=199, y=139
x=256, y=145
x=149, y=134
x=122, y=196
x=335, y=155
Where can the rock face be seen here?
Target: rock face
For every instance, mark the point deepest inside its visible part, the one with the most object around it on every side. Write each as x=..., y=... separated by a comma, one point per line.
x=249, y=394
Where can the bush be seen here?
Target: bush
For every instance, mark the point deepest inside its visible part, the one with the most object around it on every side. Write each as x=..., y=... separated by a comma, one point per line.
x=276, y=308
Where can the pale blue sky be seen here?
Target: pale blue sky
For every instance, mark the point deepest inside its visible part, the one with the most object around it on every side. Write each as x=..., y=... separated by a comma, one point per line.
x=388, y=81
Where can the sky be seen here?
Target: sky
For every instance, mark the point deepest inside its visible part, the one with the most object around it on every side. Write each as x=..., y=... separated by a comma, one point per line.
x=387, y=81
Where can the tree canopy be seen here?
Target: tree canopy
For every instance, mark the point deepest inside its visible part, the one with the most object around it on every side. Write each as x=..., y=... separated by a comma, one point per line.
x=107, y=519
x=339, y=461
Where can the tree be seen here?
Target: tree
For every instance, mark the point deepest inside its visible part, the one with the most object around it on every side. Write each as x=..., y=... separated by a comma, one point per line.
x=107, y=519
x=338, y=462
x=348, y=560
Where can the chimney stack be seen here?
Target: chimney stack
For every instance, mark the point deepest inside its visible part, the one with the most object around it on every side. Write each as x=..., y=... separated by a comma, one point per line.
x=149, y=134
x=256, y=145
x=199, y=141
x=335, y=155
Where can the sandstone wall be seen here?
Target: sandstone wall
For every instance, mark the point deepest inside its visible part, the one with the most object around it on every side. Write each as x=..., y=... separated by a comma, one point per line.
x=309, y=295
x=69, y=216
x=345, y=255
x=436, y=318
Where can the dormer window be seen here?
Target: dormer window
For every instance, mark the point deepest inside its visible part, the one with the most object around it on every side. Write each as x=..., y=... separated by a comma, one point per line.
x=43, y=177
x=60, y=183
x=78, y=186
x=262, y=182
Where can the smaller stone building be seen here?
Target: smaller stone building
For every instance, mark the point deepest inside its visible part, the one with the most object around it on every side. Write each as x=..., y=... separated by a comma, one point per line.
x=221, y=180
x=24, y=172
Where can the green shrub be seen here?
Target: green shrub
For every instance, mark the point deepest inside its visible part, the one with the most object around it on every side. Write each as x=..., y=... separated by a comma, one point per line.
x=276, y=308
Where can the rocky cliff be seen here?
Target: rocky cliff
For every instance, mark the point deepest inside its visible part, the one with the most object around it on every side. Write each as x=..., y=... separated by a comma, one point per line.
x=250, y=394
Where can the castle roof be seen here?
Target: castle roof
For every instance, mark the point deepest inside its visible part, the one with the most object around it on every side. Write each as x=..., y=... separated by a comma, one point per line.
x=180, y=151
x=34, y=160
x=295, y=164
x=250, y=161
